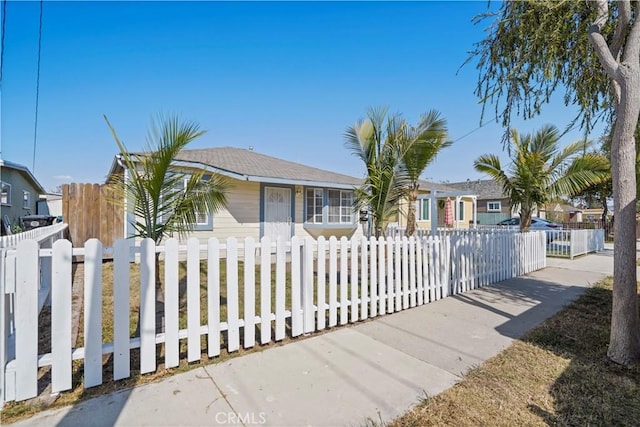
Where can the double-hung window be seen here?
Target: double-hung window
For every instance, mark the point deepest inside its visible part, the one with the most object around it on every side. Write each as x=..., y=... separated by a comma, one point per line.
x=204, y=220
x=315, y=199
x=5, y=193
x=461, y=210
x=26, y=200
x=424, y=209
x=494, y=206
x=325, y=206
x=340, y=206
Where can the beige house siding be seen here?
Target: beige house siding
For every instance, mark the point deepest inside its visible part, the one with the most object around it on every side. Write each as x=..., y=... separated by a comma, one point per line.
x=15, y=208
x=464, y=223
x=241, y=217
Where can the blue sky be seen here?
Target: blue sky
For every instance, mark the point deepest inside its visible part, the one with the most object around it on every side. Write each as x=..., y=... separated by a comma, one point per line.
x=287, y=78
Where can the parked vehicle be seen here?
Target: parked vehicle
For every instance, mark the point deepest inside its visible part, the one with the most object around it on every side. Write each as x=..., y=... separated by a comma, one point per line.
x=552, y=229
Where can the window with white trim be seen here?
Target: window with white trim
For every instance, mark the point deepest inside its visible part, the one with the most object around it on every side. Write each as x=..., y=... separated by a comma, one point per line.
x=314, y=201
x=26, y=200
x=204, y=220
x=461, y=210
x=329, y=207
x=340, y=207
x=494, y=206
x=424, y=210
x=5, y=193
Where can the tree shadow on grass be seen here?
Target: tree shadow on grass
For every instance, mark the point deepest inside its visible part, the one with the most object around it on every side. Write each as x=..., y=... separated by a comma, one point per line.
x=591, y=390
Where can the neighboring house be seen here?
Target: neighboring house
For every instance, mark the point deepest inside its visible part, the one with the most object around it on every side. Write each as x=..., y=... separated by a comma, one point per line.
x=19, y=193
x=269, y=196
x=493, y=204
x=50, y=204
x=463, y=205
x=562, y=212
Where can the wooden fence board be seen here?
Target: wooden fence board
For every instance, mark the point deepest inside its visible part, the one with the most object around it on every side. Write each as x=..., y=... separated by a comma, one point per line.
x=90, y=211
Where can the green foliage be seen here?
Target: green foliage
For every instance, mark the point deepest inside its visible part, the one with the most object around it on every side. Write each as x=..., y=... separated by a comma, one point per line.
x=540, y=171
x=533, y=48
x=166, y=200
x=374, y=140
x=418, y=147
x=395, y=154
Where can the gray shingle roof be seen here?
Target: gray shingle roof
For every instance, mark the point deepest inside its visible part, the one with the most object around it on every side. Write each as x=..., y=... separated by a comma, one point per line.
x=485, y=189
x=427, y=185
x=246, y=162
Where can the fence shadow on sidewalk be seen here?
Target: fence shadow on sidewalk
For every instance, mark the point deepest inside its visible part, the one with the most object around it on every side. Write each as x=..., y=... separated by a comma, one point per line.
x=544, y=299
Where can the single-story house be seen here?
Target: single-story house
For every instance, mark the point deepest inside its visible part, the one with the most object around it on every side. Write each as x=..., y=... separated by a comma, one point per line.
x=562, y=212
x=19, y=194
x=430, y=207
x=493, y=205
x=268, y=196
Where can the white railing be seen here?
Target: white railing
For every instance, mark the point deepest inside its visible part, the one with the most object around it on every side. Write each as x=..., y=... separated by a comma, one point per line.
x=560, y=243
x=39, y=234
x=571, y=243
x=325, y=284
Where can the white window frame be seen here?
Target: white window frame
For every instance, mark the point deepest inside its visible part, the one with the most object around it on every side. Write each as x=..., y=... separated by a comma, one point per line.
x=316, y=191
x=341, y=207
x=461, y=210
x=208, y=219
x=421, y=210
x=494, y=209
x=26, y=200
x=5, y=200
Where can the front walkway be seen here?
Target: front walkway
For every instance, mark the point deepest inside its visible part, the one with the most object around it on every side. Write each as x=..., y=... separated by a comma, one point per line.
x=375, y=370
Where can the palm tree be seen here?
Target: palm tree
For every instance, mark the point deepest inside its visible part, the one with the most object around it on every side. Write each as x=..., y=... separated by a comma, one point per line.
x=163, y=199
x=375, y=141
x=419, y=146
x=540, y=171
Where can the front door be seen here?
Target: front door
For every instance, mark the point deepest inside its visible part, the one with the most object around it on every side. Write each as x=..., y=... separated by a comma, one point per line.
x=277, y=213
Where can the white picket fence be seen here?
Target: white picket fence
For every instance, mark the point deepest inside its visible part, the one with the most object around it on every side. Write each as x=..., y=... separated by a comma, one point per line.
x=317, y=284
x=572, y=243
x=50, y=232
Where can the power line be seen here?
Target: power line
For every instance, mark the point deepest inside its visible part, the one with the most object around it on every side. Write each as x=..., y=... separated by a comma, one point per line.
x=4, y=24
x=476, y=129
x=35, y=125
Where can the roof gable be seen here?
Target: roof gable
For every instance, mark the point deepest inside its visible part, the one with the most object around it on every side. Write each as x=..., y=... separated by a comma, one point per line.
x=25, y=172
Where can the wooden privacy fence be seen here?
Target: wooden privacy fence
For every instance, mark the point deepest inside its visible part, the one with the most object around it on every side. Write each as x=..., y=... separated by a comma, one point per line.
x=257, y=293
x=90, y=215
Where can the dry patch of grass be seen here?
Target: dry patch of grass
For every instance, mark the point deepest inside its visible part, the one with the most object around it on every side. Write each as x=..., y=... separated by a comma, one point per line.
x=13, y=411
x=557, y=375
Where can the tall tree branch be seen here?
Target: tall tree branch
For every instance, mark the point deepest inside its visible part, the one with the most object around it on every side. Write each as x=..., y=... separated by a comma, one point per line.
x=632, y=47
x=622, y=27
x=599, y=43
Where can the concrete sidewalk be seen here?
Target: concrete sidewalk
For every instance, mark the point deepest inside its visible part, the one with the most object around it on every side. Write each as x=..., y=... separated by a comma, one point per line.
x=375, y=370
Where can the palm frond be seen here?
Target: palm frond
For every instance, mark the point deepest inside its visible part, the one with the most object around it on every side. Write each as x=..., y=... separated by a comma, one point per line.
x=164, y=199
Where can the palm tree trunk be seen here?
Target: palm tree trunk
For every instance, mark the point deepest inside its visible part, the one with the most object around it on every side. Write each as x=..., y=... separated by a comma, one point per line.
x=525, y=218
x=411, y=213
x=159, y=297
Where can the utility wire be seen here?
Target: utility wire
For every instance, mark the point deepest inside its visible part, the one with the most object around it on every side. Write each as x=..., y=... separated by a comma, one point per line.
x=35, y=125
x=475, y=130
x=2, y=29
x=4, y=24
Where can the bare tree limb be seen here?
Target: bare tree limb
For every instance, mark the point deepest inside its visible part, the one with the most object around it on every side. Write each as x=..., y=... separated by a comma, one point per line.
x=622, y=27
x=596, y=38
x=632, y=47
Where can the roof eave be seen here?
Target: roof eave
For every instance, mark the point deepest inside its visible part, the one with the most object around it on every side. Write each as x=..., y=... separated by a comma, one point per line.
x=26, y=171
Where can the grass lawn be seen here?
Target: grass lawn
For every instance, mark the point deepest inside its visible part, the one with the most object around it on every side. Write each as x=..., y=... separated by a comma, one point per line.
x=558, y=374
x=13, y=411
